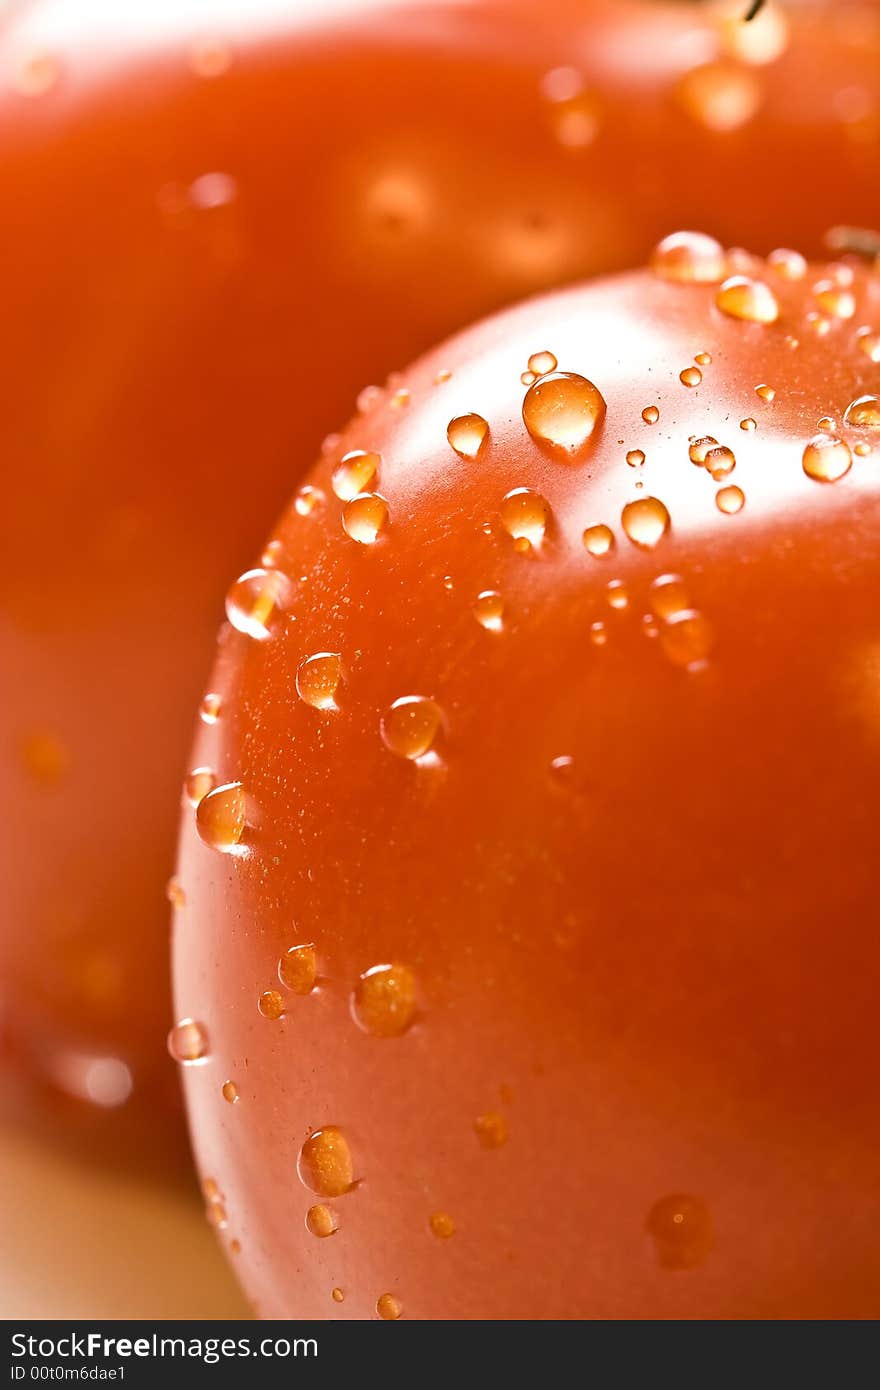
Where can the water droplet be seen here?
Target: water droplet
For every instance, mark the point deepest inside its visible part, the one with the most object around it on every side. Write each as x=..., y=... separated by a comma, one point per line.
x=833, y=300
x=748, y=424
x=444, y=374
x=220, y=817
x=863, y=450
x=354, y=473
x=687, y=638
x=384, y=1000
x=791, y=265
x=442, y=1225
x=364, y=517
x=525, y=515
x=690, y=258
x=213, y=190
x=272, y=555
x=338, y=1296
x=321, y=1221
x=388, y=1307
x=307, y=500
x=298, y=968
x=527, y=378
x=681, y=1228
x=230, y=1092
x=635, y=458
x=561, y=411
x=318, y=678
x=730, y=500
x=668, y=596
x=762, y=40
x=703, y=359
x=542, y=362
x=188, y=1041
x=271, y=1004
x=645, y=521
x=489, y=610
x=255, y=600
x=691, y=376
x=210, y=708
x=467, y=434
x=491, y=1130
x=826, y=424
x=766, y=393
x=175, y=894
x=863, y=413
x=826, y=458
x=411, y=725
x=717, y=458
x=650, y=414
x=216, y=1214
x=616, y=594
x=751, y=300
x=599, y=540
x=198, y=783
x=598, y=633
x=235, y=1247
x=869, y=342
x=325, y=1163
x=721, y=96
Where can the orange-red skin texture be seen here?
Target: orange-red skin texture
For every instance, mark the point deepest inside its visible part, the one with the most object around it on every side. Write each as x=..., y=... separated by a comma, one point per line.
x=170, y=367
x=658, y=966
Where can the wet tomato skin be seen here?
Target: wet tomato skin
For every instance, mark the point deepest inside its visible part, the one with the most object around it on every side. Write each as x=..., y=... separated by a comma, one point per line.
x=260, y=215
x=578, y=833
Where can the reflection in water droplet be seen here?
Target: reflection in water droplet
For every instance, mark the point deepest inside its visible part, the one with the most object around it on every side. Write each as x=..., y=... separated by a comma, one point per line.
x=388, y=1307
x=750, y=300
x=687, y=638
x=598, y=540
x=255, y=601
x=467, y=434
x=826, y=458
x=364, y=517
x=730, y=500
x=489, y=610
x=525, y=515
x=198, y=783
x=491, y=1130
x=645, y=521
x=384, y=1000
x=689, y=258
x=298, y=968
x=230, y=1092
x=354, y=473
x=561, y=411
x=220, y=817
x=318, y=678
x=681, y=1228
x=321, y=1221
x=691, y=376
x=650, y=414
x=325, y=1163
x=411, y=725
x=188, y=1041
x=442, y=1225
x=863, y=413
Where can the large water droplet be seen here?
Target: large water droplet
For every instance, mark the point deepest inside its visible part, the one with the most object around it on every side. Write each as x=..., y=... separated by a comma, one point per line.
x=325, y=1163
x=384, y=1000
x=256, y=600
x=740, y=297
x=645, y=521
x=364, y=517
x=561, y=411
x=467, y=434
x=354, y=473
x=525, y=516
x=863, y=413
x=411, y=725
x=221, y=817
x=318, y=678
x=826, y=458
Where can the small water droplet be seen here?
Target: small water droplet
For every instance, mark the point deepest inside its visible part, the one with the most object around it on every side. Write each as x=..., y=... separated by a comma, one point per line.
x=230, y=1092
x=598, y=633
x=681, y=1228
x=562, y=410
x=826, y=458
x=766, y=393
x=599, y=540
x=721, y=96
x=443, y=375
x=489, y=610
x=321, y=1222
x=703, y=359
x=388, y=1307
x=318, y=678
x=730, y=500
x=691, y=376
x=297, y=969
x=525, y=515
x=491, y=1130
x=442, y=1225
x=307, y=500
x=255, y=601
x=635, y=458
x=325, y=1163
x=216, y=1214
x=175, y=894
x=645, y=521
x=338, y=1296
x=687, y=638
x=863, y=450
x=863, y=413
x=211, y=708
x=364, y=517
x=716, y=458
x=668, y=596
x=221, y=817
x=188, y=1041
x=354, y=473
x=198, y=783
x=869, y=343
x=650, y=414
x=467, y=434
x=790, y=265
x=741, y=297
x=616, y=594
x=690, y=258
x=527, y=378
x=837, y=302
x=384, y=1000
x=271, y=1004
x=411, y=725
x=540, y=363
x=748, y=424
x=826, y=424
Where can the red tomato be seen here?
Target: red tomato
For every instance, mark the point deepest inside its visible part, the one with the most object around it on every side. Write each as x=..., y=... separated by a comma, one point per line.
x=221, y=223
x=547, y=743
